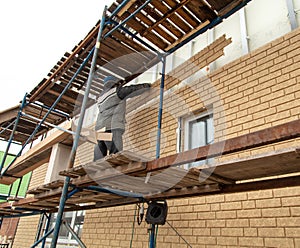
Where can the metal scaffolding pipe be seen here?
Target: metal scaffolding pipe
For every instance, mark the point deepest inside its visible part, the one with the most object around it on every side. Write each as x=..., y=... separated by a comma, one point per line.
x=9, y=191
x=40, y=226
x=50, y=110
x=42, y=238
x=77, y=135
x=152, y=236
x=116, y=192
x=46, y=229
x=13, y=133
x=87, y=91
x=117, y=10
x=158, y=140
x=4, y=129
x=60, y=212
x=19, y=186
x=127, y=18
x=74, y=234
x=53, y=110
x=49, y=124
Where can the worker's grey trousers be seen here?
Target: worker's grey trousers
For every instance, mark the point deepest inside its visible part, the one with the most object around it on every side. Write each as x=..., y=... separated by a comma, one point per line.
x=114, y=146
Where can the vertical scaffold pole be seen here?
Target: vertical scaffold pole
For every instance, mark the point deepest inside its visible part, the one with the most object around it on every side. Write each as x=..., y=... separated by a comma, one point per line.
x=158, y=141
x=46, y=228
x=64, y=194
x=40, y=227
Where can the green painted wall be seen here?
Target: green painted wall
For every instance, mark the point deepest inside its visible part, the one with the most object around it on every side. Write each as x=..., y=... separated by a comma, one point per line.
x=4, y=189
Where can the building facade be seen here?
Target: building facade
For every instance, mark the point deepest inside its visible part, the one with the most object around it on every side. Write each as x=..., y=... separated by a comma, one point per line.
x=256, y=85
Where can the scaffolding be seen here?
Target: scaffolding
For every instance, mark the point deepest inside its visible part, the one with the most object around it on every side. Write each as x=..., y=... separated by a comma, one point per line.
x=146, y=32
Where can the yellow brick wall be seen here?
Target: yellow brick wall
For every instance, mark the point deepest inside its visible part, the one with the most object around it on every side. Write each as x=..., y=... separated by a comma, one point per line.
x=267, y=218
x=26, y=231
x=257, y=91
x=38, y=176
x=143, y=139
x=27, y=227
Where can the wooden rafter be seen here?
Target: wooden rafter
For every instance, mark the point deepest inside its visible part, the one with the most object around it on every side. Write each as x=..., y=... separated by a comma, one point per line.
x=165, y=16
x=125, y=8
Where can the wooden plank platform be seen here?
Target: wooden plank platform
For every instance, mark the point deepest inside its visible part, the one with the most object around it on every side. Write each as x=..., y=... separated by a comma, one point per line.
x=160, y=178
x=166, y=183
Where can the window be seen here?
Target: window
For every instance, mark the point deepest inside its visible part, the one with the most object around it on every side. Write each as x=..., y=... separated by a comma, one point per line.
x=198, y=131
x=75, y=220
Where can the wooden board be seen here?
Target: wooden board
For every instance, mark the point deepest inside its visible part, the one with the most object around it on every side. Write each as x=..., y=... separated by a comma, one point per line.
x=286, y=131
x=9, y=114
x=171, y=15
x=7, y=180
x=201, y=10
x=118, y=176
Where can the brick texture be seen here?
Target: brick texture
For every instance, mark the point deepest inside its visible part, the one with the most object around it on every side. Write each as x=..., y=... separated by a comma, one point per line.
x=26, y=231
x=27, y=226
x=254, y=92
x=257, y=91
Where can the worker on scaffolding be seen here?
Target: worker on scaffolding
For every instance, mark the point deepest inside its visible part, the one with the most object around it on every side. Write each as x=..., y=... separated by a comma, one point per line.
x=111, y=115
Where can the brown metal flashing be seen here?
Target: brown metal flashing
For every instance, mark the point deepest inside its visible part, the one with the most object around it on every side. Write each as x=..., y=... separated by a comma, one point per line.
x=270, y=135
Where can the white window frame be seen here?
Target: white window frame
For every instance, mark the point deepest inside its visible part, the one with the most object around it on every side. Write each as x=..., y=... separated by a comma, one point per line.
x=186, y=130
x=69, y=241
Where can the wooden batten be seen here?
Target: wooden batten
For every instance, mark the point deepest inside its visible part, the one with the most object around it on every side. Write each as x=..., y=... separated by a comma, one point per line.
x=125, y=8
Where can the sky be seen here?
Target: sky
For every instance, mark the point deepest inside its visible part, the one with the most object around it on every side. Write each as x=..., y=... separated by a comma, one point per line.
x=35, y=35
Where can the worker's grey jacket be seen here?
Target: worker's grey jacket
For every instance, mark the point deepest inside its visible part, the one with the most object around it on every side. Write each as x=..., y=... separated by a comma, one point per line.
x=112, y=105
